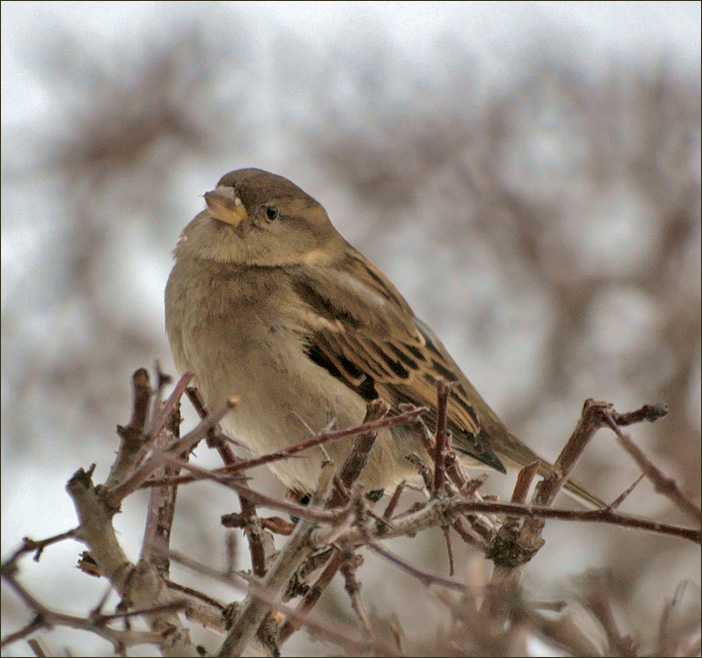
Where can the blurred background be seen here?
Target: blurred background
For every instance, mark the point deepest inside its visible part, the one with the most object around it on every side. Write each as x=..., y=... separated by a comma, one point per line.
x=527, y=174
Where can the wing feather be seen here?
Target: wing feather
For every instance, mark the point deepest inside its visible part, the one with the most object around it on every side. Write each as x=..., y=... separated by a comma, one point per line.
x=369, y=339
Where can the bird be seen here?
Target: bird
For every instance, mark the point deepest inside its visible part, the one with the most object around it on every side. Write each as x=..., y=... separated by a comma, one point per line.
x=268, y=302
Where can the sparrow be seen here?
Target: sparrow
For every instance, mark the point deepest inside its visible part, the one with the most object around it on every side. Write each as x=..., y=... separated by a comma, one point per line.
x=268, y=302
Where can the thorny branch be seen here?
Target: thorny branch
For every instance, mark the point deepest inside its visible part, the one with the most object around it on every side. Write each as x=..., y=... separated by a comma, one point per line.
x=663, y=484
x=332, y=529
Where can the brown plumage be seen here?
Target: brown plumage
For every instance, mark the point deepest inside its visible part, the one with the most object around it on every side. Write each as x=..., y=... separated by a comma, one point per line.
x=268, y=302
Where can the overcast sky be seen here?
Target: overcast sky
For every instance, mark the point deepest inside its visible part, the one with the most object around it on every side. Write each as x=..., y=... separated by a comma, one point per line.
x=613, y=27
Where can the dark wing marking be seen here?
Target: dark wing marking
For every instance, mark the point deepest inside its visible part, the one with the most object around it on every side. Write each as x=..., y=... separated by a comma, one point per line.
x=371, y=342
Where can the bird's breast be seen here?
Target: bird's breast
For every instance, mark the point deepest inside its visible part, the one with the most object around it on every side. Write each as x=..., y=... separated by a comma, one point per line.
x=242, y=337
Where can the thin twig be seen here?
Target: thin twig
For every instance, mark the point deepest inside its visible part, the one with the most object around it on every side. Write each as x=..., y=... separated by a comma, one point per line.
x=524, y=479
x=313, y=441
x=358, y=456
x=441, y=440
x=169, y=406
x=663, y=484
x=350, y=471
x=329, y=629
x=46, y=618
x=302, y=511
x=298, y=548
x=249, y=520
x=294, y=622
x=424, y=577
x=323, y=437
x=616, y=503
x=161, y=508
x=37, y=547
x=133, y=441
x=449, y=548
x=351, y=561
x=412, y=522
x=590, y=516
x=118, y=493
x=392, y=504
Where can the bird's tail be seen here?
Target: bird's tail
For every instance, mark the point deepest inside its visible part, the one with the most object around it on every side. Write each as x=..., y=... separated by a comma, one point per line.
x=575, y=490
x=516, y=455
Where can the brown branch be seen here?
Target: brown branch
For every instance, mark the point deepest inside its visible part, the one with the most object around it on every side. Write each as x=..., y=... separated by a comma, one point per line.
x=169, y=406
x=351, y=470
x=349, y=564
x=441, y=440
x=515, y=544
x=298, y=548
x=424, y=577
x=449, y=548
x=323, y=437
x=313, y=441
x=260, y=542
x=456, y=472
x=328, y=629
x=132, y=438
x=294, y=622
x=115, y=495
x=215, y=437
x=140, y=585
x=28, y=629
x=161, y=508
x=616, y=503
x=394, y=499
x=591, y=419
x=663, y=484
x=36, y=648
x=446, y=462
x=412, y=522
x=524, y=479
x=590, y=516
x=141, y=396
x=306, y=512
x=422, y=469
x=648, y=413
x=357, y=459
x=47, y=618
x=37, y=547
x=469, y=534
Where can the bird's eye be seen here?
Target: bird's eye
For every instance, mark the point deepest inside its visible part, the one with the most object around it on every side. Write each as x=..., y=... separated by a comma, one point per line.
x=272, y=212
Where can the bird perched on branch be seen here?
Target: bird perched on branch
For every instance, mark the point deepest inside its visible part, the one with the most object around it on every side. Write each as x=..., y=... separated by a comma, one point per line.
x=268, y=302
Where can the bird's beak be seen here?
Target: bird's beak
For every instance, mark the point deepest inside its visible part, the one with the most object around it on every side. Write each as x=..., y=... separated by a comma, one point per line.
x=225, y=206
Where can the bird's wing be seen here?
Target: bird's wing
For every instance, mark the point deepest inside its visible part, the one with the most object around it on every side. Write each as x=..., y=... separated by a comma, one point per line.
x=360, y=329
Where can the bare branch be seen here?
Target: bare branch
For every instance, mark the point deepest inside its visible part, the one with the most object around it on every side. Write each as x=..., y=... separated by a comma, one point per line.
x=140, y=584
x=185, y=444
x=441, y=440
x=663, y=484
